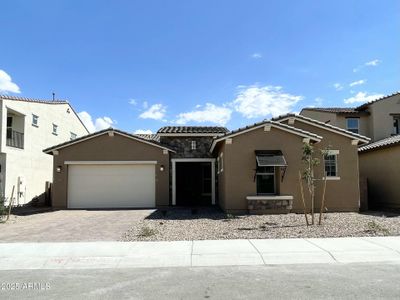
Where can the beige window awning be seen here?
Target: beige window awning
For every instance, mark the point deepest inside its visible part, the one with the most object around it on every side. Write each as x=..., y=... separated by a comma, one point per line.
x=270, y=158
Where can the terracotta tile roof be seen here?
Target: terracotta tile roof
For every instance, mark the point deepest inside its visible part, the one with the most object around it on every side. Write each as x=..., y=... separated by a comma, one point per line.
x=91, y=135
x=149, y=137
x=327, y=126
x=16, y=98
x=340, y=110
x=194, y=129
x=56, y=101
x=387, y=142
x=349, y=110
x=365, y=105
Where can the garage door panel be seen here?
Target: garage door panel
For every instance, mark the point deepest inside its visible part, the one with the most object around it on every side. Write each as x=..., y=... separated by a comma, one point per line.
x=111, y=186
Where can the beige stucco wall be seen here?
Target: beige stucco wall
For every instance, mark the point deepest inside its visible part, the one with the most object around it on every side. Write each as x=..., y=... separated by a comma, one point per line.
x=342, y=194
x=110, y=148
x=381, y=168
x=377, y=125
x=363, y=123
x=339, y=120
x=320, y=116
x=382, y=118
x=238, y=178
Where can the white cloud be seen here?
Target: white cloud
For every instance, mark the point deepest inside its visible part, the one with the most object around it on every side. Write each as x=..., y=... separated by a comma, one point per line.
x=338, y=86
x=256, y=55
x=143, y=131
x=362, y=97
x=209, y=113
x=358, y=82
x=155, y=112
x=373, y=63
x=98, y=124
x=6, y=84
x=132, y=102
x=254, y=101
x=319, y=101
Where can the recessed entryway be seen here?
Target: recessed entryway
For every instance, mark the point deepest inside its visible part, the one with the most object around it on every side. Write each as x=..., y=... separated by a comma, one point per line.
x=193, y=182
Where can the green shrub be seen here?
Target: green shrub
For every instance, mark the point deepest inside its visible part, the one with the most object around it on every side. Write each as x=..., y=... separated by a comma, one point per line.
x=376, y=228
x=147, y=232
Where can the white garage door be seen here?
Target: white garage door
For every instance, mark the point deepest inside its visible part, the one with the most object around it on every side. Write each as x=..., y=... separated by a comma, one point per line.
x=111, y=186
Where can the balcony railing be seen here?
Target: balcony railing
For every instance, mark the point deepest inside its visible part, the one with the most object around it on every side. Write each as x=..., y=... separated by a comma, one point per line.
x=15, y=139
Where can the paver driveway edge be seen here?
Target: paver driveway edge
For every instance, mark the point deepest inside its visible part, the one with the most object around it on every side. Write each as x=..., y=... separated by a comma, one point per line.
x=89, y=255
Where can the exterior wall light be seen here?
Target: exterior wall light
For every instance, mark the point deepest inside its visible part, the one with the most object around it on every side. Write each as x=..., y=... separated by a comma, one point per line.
x=58, y=169
x=162, y=168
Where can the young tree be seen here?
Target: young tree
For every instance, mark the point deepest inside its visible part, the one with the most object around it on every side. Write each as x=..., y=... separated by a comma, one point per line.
x=308, y=174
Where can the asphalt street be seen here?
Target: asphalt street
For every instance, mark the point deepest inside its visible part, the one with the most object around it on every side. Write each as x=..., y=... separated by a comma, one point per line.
x=315, y=281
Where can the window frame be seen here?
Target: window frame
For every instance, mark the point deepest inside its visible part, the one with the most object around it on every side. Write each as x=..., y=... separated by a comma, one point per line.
x=55, y=129
x=335, y=154
x=193, y=145
x=353, y=129
x=273, y=174
x=221, y=163
x=35, y=117
x=396, y=127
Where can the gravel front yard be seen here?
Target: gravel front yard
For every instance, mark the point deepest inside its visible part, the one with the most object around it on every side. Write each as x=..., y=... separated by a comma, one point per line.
x=181, y=224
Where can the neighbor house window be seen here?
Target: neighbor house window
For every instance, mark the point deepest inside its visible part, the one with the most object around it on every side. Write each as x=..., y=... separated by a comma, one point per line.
x=221, y=162
x=55, y=128
x=35, y=120
x=352, y=124
x=396, y=125
x=265, y=180
x=330, y=162
x=73, y=136
x=193, y=145
x=9, y=127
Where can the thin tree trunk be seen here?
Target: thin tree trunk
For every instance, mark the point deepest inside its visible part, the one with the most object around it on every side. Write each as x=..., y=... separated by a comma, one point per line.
x=322, y=202
x=312, y=197
x=302, y=198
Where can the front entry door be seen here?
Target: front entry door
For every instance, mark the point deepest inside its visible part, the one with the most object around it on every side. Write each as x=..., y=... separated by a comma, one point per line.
x=193, y=183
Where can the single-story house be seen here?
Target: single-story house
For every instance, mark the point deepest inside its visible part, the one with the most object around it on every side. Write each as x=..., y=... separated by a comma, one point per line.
x=251, y=169
x=379, y=164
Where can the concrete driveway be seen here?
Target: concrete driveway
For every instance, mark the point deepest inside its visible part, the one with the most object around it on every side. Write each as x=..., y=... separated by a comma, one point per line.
x=71, y=225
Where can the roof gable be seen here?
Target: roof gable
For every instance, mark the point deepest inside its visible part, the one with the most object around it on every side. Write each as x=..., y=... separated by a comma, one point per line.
x=325, y=126
x=305, y=134
x=43, y=101
x=105, y=131
x=365, y=105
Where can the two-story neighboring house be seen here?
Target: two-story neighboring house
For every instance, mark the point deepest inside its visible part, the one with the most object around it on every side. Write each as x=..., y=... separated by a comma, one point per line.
x=27, y=127
x=379, y=160
x=378, y=119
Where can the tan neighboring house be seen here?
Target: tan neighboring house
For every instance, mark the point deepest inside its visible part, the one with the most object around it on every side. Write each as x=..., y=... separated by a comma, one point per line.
x=379, y=120
x=380, y=163
x=252, y=169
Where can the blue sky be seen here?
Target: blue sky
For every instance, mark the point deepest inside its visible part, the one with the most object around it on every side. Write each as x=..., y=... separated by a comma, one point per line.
x=140, y=65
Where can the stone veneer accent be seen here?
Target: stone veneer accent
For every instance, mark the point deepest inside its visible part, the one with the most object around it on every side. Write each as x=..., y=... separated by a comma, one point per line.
x=269, y=204
x=182, y=146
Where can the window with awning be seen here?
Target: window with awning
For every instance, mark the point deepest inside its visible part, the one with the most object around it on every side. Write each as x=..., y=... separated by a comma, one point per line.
x=267, y=163
x=270, y=158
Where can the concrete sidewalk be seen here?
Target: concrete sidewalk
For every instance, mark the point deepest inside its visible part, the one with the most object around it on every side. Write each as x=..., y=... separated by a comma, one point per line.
x=99, y=255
